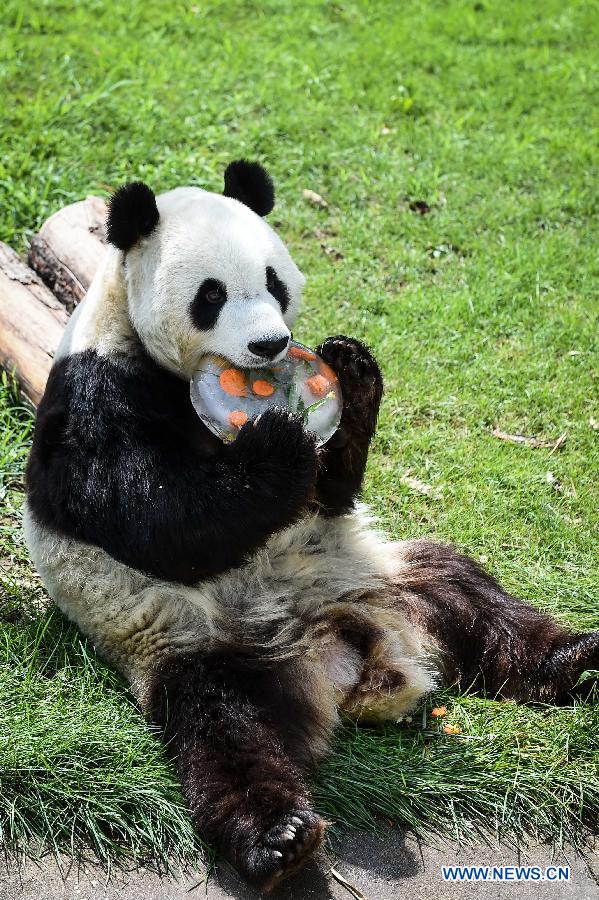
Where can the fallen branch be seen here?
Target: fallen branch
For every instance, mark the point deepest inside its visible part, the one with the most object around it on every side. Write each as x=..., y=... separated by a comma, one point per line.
x=420, y=487
x=559, y=443
x=313, y=197
x=552, y=445
x=349, y=887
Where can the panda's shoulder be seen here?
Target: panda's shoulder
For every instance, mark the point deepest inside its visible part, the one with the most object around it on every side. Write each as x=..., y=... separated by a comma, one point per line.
x=99, y=396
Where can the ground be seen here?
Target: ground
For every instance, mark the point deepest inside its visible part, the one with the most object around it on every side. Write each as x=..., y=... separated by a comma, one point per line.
x=454, y=149
x=381, y=867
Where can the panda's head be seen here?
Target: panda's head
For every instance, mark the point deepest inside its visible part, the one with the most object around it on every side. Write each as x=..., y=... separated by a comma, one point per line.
x=204, y=273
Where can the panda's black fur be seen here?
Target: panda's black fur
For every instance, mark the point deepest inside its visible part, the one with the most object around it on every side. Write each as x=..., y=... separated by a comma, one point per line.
x=238, y=588
x=249, y=183
x=133, y=215
x=103, y=430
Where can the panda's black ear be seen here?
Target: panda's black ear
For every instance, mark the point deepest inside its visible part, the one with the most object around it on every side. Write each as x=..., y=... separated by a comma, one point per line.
x=132, y=214
x=251, y=184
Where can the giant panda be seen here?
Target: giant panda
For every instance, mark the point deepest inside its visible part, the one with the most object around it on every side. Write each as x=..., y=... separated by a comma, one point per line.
x=242, y=589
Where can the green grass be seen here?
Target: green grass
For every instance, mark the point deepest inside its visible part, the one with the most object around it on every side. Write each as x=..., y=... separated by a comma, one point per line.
x=483, y=312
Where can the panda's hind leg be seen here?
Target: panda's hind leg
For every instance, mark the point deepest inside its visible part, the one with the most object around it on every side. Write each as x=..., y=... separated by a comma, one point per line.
x=486, y=639
x=240, y=733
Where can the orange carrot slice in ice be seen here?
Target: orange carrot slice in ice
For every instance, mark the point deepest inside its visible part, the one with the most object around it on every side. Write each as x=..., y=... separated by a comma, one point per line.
x=238, y=418
x=317, y=385
x=232, y=381
x=263, y=388
x=300, y=353
x=326, y=370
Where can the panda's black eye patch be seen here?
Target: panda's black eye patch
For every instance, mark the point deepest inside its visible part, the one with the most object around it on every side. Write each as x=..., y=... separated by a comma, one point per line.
x=207, y=303
x=277, y=288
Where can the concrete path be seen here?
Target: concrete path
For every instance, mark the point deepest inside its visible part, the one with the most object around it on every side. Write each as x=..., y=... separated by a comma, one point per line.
x=377, y=868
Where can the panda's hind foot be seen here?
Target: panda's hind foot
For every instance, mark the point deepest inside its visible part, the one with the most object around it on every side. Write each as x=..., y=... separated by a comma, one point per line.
x=284, y=848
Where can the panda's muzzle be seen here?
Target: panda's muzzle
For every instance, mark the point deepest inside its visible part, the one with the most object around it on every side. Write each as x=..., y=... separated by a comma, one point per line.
x=268, y=349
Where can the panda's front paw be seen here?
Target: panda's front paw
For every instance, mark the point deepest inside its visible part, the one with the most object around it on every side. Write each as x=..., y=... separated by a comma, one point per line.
x=282, y=435
x=278, y=450
x=360, y=378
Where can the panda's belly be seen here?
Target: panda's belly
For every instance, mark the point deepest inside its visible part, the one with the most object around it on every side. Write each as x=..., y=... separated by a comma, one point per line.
x=300, y=571
x=270, y=602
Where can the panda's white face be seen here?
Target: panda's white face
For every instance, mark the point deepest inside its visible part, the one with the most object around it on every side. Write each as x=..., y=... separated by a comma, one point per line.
x=212, y=277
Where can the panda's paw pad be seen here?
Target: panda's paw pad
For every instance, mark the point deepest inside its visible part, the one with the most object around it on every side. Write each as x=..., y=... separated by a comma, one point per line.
x=352, y=361
x=284, y=847
x=357, y=370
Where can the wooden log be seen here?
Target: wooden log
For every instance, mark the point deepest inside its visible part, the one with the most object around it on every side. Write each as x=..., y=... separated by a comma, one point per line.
x=31, y=324
x=68, y=248
x=65, y=254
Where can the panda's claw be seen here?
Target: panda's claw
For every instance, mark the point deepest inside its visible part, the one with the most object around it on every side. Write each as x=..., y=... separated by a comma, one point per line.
x=284, y=847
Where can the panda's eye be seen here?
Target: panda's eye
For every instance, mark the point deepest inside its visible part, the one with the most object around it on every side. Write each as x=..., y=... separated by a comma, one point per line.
x=213, y=291
x=204, y=309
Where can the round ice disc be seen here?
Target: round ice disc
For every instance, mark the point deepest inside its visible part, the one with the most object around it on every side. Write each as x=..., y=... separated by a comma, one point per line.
x=226, y=397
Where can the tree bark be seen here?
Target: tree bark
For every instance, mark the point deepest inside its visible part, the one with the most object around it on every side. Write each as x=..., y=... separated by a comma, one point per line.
x=31, y=324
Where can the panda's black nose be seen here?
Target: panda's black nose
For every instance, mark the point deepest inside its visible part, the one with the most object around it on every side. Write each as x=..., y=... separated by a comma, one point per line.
x=268, y=349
